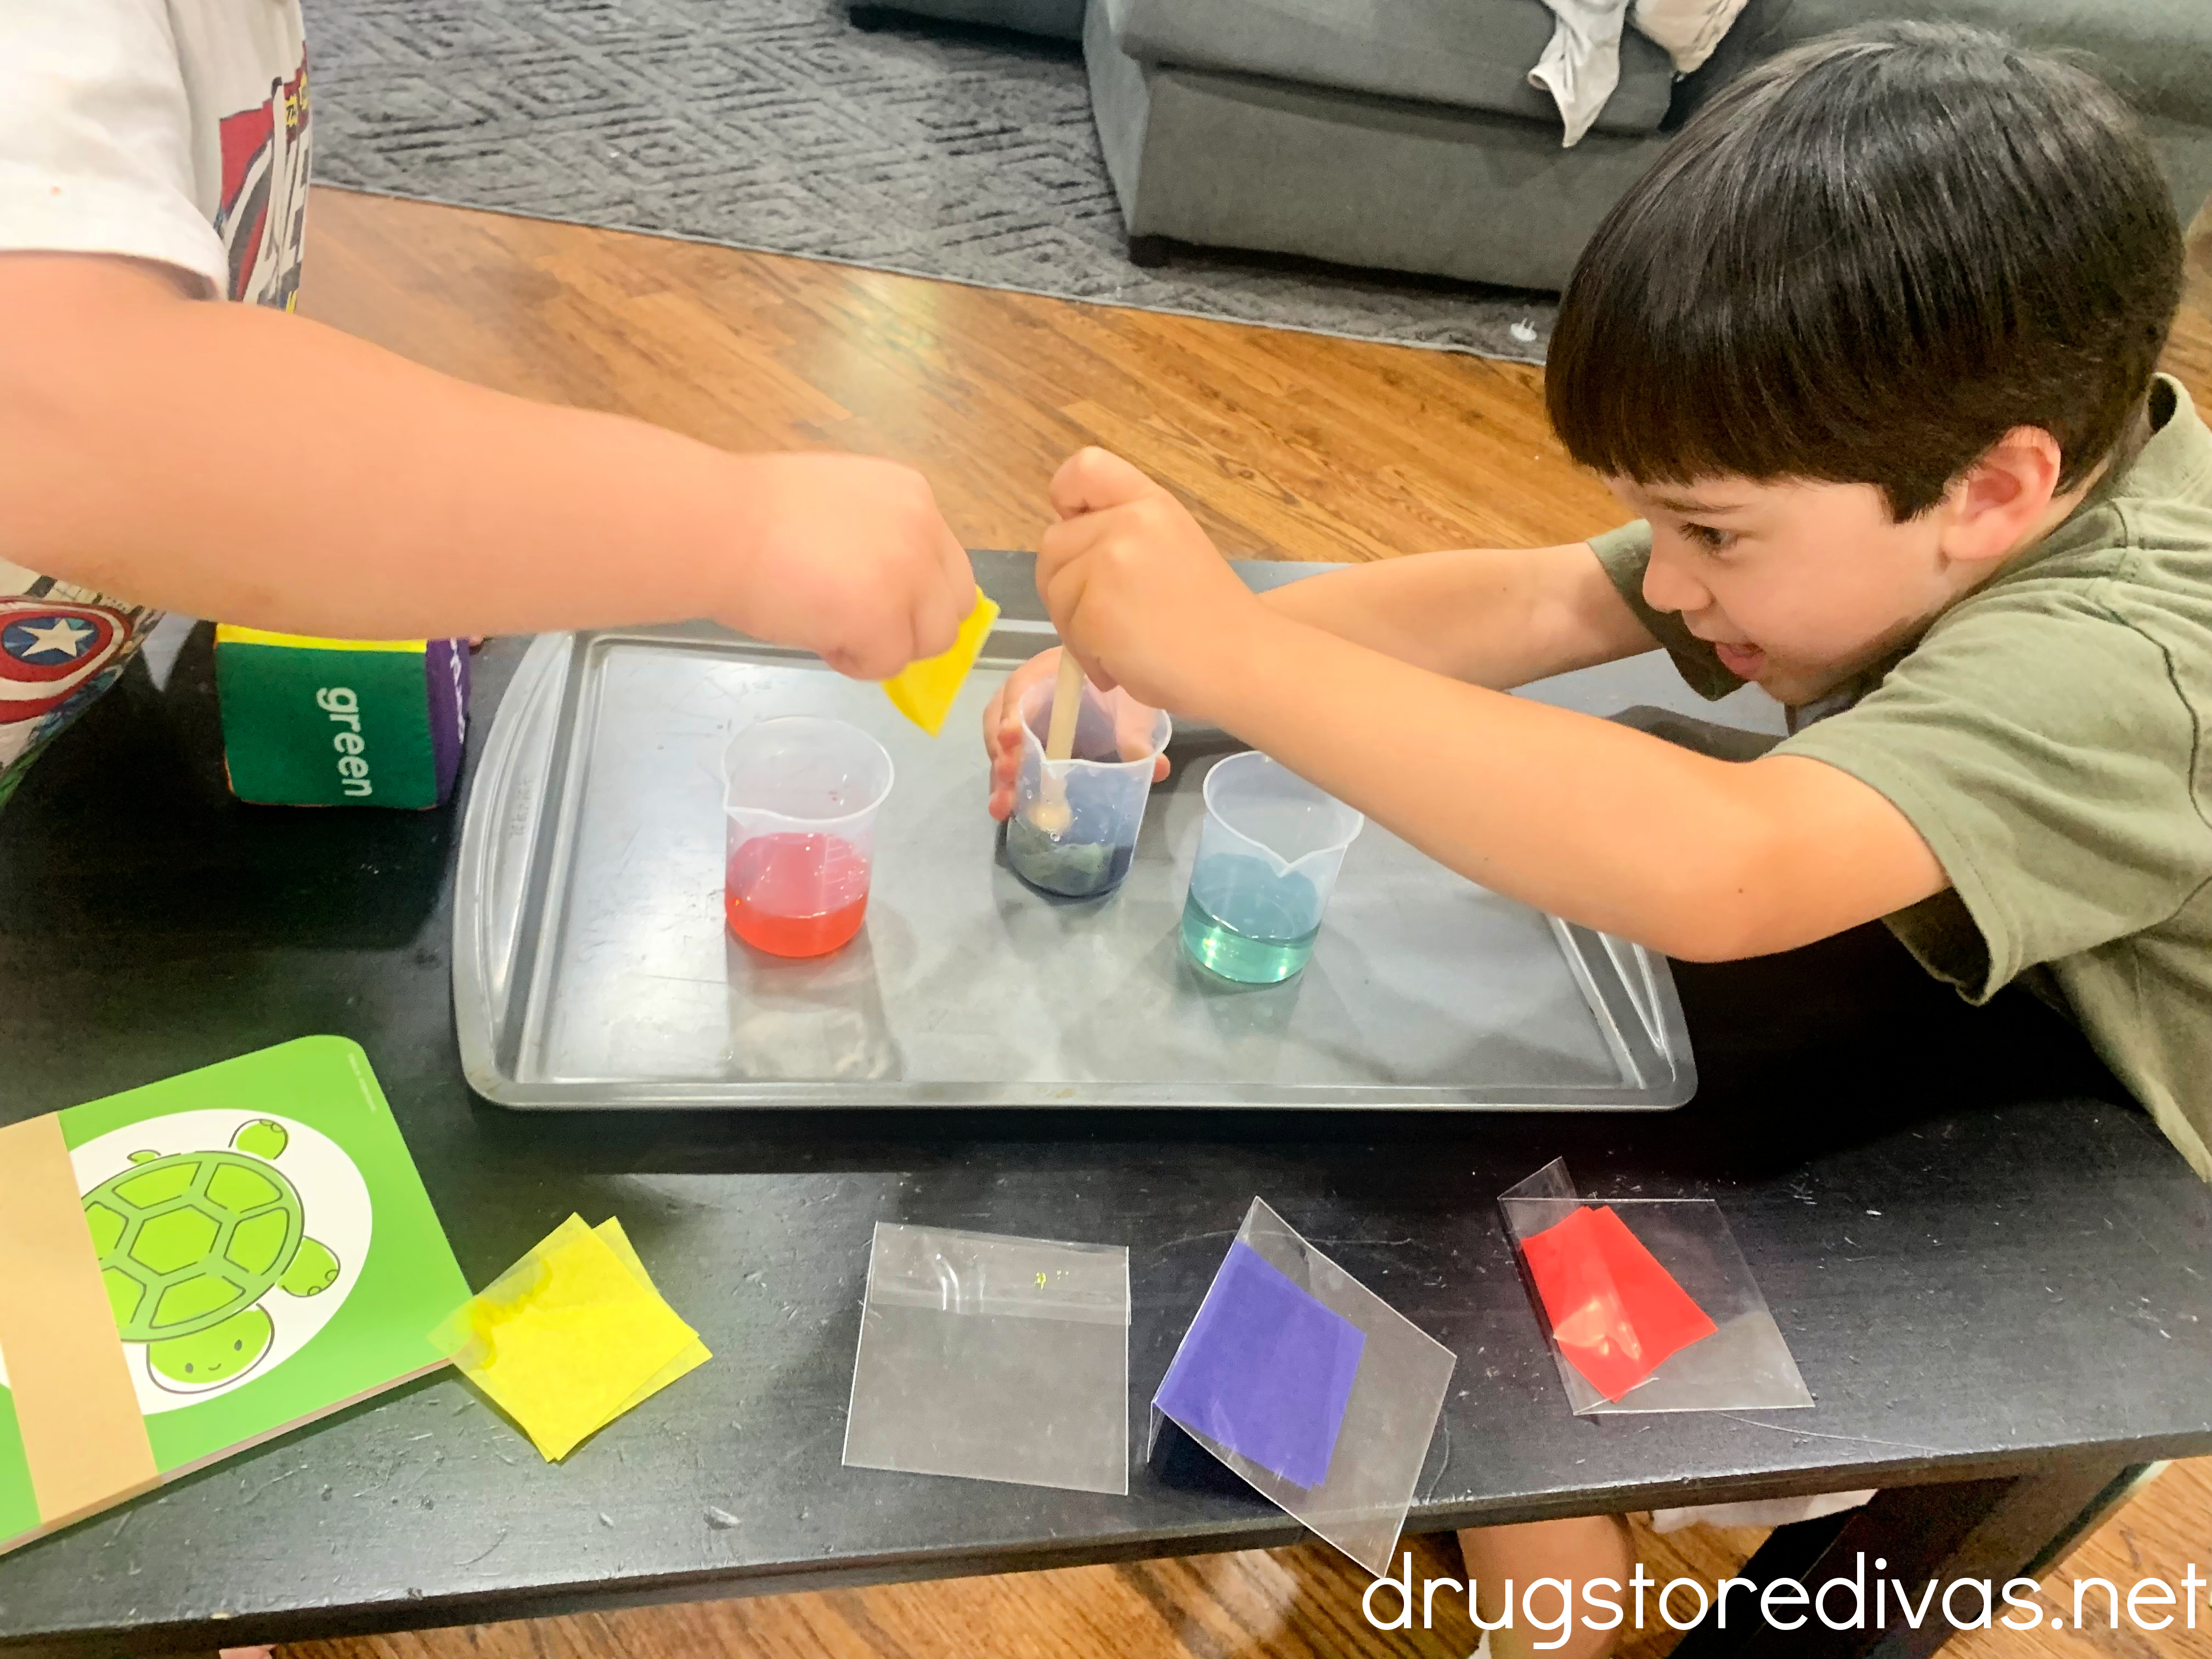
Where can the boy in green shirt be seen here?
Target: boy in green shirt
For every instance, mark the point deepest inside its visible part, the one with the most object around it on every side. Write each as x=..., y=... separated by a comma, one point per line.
x=1871, y=355
x=1879, y=381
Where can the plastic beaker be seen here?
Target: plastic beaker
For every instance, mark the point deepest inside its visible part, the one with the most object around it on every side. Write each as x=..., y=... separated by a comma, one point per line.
x=1267, y=860
x=1073, y=830
x=800, y=795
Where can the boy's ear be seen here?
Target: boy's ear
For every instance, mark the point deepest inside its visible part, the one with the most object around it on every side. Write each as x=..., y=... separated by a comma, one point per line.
x=2001, y=501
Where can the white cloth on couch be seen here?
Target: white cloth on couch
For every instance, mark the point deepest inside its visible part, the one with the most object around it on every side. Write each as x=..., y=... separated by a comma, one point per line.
x=1581, y=64
x=1688, y=30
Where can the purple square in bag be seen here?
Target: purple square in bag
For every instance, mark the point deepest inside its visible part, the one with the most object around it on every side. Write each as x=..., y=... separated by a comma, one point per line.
x=1265, y=1370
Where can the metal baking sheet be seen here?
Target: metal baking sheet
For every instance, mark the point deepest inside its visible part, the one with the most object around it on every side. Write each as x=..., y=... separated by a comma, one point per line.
x=593, y=968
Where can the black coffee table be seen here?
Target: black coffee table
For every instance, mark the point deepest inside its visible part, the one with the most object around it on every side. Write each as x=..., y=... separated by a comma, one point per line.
x=1995, y=1274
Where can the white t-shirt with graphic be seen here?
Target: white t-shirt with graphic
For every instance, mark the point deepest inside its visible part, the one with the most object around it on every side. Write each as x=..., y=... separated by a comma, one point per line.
x=175, y=131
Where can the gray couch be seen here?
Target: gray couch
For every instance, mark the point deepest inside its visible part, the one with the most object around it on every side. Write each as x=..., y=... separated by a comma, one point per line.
x=1061, y=18
x=1406, y=135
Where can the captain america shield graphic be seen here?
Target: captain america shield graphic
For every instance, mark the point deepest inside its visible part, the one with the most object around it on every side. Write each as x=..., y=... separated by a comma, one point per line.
x=49, y=650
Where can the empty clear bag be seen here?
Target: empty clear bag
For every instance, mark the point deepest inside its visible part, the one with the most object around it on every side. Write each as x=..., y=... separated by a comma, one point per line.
x=994, y=1357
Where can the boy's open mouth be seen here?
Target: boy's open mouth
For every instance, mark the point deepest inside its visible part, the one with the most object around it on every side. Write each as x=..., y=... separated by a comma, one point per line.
x=1744, y=661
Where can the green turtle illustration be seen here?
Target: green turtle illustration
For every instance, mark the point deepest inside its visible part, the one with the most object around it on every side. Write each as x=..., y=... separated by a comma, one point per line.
x=191, y=1244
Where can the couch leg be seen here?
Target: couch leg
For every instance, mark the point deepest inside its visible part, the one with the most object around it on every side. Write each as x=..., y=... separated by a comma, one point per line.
x=1150, y=252
x=868, y=19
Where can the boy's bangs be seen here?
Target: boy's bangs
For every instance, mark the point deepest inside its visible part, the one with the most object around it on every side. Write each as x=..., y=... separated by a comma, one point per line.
x=1673, y=399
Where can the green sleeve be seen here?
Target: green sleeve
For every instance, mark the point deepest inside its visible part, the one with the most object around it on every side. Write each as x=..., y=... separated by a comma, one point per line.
x=1624, y=553
x=2045, y=754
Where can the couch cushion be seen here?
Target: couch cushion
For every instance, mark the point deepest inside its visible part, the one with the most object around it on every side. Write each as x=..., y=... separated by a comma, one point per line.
x=1469, y=54
x=1237, y=161
x=2157, y=52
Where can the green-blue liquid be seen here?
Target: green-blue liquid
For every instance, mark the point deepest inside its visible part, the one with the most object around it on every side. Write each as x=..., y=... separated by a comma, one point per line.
x=1249, y=958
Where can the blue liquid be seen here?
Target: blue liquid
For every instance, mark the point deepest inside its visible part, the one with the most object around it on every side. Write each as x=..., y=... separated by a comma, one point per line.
x=1246, y=923
x=1071, y=868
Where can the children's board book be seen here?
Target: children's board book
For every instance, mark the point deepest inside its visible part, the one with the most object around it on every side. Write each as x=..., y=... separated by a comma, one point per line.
x=192, y=1267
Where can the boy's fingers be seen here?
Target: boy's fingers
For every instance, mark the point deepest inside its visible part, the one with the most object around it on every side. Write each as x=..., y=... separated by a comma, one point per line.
x=1061, y=588
x=871, y=659
x=946, y=600
x=1093, y=479
x=936, y=626
x=1062, y=545
x=1006, y=770
x=1002, y=728
x=1095, y=671
x=994, y=724
x=958, y=585
x=1059, y=541
x=958, y=570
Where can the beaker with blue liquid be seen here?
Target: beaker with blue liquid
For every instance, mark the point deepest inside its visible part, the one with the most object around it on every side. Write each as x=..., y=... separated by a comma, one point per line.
x=1073, y=830
x=1268, y=861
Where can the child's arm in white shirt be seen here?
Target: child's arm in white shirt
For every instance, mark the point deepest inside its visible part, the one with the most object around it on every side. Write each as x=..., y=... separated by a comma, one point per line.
x=377, y=499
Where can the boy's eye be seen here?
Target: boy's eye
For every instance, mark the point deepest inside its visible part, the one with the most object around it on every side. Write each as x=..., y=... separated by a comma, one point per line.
x=1712, y=540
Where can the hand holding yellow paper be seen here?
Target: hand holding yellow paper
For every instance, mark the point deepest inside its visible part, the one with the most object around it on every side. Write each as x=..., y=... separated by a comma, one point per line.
x=924, y=692
x=571, y=1336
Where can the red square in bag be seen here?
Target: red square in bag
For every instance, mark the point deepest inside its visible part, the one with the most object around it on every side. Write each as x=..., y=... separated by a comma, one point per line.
x=1616, y=1314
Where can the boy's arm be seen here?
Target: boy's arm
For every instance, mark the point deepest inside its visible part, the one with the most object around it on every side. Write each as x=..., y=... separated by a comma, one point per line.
x=1492, y=616
x=1499, y=617
x=1583, y=817
x=229, y=461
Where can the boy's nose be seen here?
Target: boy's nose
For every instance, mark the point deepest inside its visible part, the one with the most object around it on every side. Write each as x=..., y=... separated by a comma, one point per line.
x=1667, y=588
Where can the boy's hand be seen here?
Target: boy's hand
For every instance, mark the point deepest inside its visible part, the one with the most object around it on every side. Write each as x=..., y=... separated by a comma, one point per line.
x=1135, y=588
x=852, y=560
x=1002, y=730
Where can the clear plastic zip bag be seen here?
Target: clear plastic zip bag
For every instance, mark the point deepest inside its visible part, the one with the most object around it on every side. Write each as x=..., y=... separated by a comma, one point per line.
x=1310, y=1387
x=994, y=1357
x=1647, y=1303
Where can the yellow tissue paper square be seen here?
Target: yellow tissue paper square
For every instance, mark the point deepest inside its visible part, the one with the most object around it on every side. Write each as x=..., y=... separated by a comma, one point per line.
x=571, y=1337
x=924, y=692
x=690, y=1359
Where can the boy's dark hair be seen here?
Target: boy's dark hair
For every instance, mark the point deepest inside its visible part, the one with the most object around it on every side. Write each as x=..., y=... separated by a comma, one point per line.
x=1866, y=260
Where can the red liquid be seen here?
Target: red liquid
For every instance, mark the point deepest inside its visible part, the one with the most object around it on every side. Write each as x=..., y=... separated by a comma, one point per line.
x=796, y=895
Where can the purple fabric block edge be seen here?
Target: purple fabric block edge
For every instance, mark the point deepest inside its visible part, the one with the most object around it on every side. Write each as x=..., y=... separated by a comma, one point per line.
x=446, y=678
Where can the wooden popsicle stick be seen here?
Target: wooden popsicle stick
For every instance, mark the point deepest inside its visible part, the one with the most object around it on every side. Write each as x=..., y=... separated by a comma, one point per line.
x=1051, y=813
x=1067, y=707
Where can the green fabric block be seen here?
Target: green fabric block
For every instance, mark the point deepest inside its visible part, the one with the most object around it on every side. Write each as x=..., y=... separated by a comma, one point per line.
x=303, y=726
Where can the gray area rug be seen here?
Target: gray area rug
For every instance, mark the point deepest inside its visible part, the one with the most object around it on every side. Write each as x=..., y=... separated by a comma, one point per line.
x=775, y=125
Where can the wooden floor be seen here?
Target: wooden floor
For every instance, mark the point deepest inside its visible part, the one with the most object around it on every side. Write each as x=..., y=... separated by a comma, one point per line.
x=1300, y=1603
x=1286, y=445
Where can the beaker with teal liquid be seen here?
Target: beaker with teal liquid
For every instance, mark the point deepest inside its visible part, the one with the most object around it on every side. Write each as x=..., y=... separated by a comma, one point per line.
x=1268, y=861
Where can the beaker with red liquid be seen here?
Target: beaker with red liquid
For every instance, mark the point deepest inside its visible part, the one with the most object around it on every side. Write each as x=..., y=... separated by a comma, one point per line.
x=800, y=795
